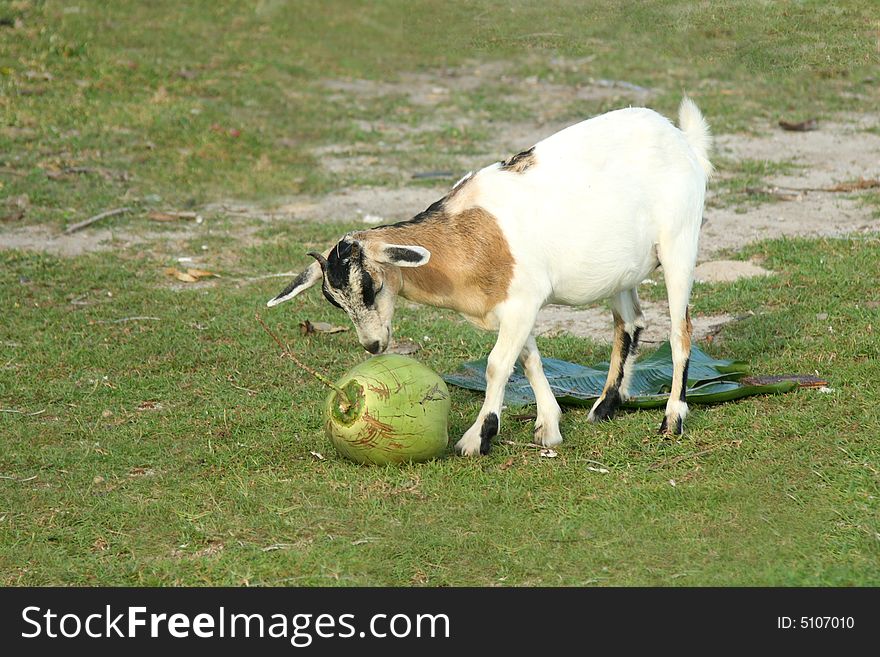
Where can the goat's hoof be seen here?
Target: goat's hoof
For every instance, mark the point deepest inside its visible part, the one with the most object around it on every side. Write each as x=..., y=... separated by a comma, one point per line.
x=671, y=426
x=673, y=422
x=605, y=407
x=547, y=434
x=478, y=439
x=467, y=446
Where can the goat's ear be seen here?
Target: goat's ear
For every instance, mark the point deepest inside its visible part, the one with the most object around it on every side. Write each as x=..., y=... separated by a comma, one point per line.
x=306, y=279
x=401, y=256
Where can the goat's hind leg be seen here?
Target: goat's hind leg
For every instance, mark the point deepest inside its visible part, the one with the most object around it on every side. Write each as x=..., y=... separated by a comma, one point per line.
x=547, y=423
x=629, y=322
x=678, y=273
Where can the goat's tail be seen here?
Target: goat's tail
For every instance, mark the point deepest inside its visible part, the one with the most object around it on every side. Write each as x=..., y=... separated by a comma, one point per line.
x=696, y=130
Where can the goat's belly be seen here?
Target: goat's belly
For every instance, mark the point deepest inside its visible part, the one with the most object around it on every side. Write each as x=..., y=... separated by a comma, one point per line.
x=575, y=286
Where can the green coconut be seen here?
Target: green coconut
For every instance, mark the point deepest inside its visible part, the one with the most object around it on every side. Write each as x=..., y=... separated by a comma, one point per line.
x=394, y=410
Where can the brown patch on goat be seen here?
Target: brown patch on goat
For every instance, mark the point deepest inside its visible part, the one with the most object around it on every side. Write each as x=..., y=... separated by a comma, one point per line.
x=470, y=267
x=687, y=329
x=520, y=162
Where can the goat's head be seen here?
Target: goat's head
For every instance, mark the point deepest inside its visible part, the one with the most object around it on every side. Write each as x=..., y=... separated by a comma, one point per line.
x=362, y=278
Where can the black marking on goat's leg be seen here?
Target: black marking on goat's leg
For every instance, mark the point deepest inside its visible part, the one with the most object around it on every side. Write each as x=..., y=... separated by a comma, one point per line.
x=611, y=399
x=684, y=381
x=681, y=380
x=488, y=431
x=634, y=341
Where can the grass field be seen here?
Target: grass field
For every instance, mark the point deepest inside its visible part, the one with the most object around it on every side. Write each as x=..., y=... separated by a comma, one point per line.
x=180, y=449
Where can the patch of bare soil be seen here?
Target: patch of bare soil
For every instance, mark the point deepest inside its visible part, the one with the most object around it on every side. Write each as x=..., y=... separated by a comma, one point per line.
x=727, y=271
x=48, y=240
x=596, y=323
x=838, y=152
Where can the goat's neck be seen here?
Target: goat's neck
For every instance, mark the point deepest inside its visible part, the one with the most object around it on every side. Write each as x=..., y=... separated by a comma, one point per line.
x=470, y=266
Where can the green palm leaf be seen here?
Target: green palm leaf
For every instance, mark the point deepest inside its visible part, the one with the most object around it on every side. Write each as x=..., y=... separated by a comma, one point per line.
x=710, y=381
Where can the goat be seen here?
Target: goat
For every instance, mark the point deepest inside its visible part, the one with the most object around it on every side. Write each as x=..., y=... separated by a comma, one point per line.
x=584, y=215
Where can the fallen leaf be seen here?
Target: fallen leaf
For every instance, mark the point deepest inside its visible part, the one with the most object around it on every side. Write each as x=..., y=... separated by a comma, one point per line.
x=506, y=464
x=162, y=216
x=307, y=328
x=149, y=406
x=160, y=96
x=202, y=273
x=141, y=472
x=861, y=183
x=317, y=455
x=601, y=470
x=803, y=126
x=404, y=347
x=38, y=75
x=17, y=207
x=190, y=275
x=549, y=453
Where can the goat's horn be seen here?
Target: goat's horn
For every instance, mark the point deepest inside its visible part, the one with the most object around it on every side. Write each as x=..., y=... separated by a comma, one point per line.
x=321, y=260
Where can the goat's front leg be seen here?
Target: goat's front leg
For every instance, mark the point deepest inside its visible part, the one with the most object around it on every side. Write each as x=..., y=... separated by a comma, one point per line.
x=512, y=335
x=547, y=423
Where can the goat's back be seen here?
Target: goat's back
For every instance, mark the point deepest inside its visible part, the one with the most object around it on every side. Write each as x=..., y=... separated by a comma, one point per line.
x=584, y=215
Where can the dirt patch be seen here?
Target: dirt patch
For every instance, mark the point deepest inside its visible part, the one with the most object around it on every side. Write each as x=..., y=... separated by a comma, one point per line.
x=596, y=323
x=368, y=204
x=434, y=88
x=547, y=100
x=727, y=271
x=838, y=152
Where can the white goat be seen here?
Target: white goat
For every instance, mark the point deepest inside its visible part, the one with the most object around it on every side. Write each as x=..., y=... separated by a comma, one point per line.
x=583, y=215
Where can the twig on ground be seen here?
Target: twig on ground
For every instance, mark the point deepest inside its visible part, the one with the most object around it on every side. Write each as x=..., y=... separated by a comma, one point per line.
x=238, y=387
x=428, y=175
x=802, y=126
x=793, y=193
x=16, y=479
x=284, y=274
x=516, y=444
x=12, y=410
x=95, y=219
x=345, y=402
x=536, y=35
x=125, y=319
x=106, y=174
x=678, y=459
